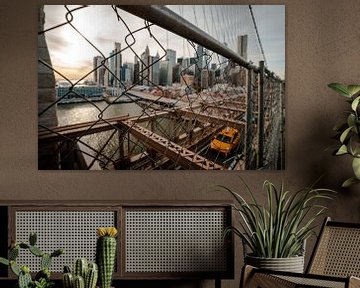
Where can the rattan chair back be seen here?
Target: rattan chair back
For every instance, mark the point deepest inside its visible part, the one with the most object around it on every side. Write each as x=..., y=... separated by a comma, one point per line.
x=337, y=252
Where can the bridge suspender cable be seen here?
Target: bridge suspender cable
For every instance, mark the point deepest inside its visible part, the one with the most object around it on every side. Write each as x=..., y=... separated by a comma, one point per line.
x=257, y=34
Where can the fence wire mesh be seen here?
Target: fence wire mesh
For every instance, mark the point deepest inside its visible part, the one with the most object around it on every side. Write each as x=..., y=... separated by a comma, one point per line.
x=196, y=112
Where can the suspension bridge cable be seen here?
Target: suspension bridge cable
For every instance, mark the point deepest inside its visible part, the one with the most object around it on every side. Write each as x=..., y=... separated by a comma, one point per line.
x=257, y=34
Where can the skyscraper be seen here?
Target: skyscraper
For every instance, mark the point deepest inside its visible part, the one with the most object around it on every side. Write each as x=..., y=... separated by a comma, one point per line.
x=155, y=69
x=144, y=67
x=96, y=59
x=171, y=60
x=199, y=55
x=242, y=41
x=126, y=73
x=99, y=71
x=163, y=73
x=204, y=78
x=136, y=71
x=115, y=66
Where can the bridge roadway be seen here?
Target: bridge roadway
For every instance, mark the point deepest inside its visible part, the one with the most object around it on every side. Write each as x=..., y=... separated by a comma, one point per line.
x=203, y=117
x=153, y=98
x=186, y=158
x=173, y=151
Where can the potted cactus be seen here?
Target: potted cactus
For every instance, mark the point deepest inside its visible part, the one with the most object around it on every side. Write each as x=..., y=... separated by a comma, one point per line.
x=106, y=254
x=84, y=275
x=42, y=278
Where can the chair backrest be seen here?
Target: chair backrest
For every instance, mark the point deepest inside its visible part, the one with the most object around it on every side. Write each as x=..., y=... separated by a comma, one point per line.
x=337, y=251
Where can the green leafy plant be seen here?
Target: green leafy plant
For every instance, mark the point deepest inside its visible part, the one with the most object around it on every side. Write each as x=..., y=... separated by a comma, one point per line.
x=349, y=132
x=42, y=278
x=280, y=229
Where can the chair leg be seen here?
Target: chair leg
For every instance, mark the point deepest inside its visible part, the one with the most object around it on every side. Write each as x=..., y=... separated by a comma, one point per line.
x=246, y=274
x=217, y=283
x=250, y=278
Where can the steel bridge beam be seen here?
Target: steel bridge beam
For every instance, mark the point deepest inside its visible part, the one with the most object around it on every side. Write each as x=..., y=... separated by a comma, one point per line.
x=175, y=152
x=72, y=131
x=212, y=119
x=226, y=108
x=169, y=20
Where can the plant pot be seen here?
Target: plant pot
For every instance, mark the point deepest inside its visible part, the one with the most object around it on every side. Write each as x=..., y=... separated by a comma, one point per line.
x=291, y=264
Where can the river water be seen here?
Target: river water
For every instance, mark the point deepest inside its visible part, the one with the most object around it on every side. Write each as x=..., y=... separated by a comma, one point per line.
x=83, y=112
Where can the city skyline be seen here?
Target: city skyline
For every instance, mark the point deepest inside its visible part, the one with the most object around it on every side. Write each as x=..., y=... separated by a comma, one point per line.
x=73, y=56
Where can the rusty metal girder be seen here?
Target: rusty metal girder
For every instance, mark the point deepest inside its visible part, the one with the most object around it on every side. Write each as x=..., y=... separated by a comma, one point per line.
x=212, y=119
x=91, y=127
x=184, y=157
x=227, y=108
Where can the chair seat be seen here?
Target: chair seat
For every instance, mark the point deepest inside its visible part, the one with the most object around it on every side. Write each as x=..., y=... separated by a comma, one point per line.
x=315, y=282
x=263, y=278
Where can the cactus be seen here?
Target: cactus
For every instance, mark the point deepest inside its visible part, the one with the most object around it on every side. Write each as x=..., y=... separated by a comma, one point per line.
x=80, y=267
x=45, y=261
x=4, y=261
x=13, y=253
x=87, y=272
x=68, y=280
x=36, y=251
x=105, y=254
x=44, y=273
x=42, y=278
x=24, y=245
x=79, y=282
x=67, y=269
x=57, y=252
x=32, y=238
x=91, y=276
x=14, y=268
x=24, y=279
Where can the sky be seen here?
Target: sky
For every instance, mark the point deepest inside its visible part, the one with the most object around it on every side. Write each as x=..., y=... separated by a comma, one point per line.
x=72, y=55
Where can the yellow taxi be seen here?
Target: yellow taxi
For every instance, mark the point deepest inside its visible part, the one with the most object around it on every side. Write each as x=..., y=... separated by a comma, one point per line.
x=226, y=141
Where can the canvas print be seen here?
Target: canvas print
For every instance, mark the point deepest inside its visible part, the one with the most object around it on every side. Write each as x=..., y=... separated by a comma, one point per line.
x=153, y=87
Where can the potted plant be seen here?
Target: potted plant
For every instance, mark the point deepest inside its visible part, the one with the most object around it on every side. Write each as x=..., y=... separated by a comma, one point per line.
x=84, y=274
x=348, y=133
x=276, y=233
x=42, y=278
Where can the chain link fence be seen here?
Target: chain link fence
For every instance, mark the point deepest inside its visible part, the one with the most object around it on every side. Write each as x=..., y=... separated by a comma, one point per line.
x=204, y=111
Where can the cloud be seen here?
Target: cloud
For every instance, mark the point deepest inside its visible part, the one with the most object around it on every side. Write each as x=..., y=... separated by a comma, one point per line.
x=73, y=73
x=100, y=26
x=56, y=43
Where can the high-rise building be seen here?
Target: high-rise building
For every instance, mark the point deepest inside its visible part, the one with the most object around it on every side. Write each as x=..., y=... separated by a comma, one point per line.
x=176, y=73
x=96, y=60
x=204, y=78
x=171, y=60
x=126, y=73
x=99, y=71
x=144, y=67
x=199, y=55
x=155, y=69
x=242, y=41
x=106, y=74
x=115, y=66
x=136, y=77
x=149, y=68
x=163, y=73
